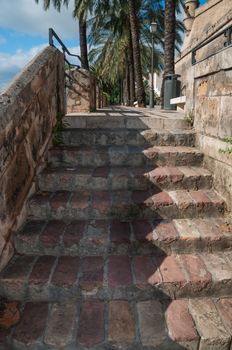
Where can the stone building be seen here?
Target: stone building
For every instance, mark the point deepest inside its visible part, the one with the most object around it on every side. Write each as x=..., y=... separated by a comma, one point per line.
x=206, y=78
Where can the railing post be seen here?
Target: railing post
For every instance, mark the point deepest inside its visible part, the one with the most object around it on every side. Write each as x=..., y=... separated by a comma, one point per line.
x=50, y=37
x=193, y=57
x=228, y=35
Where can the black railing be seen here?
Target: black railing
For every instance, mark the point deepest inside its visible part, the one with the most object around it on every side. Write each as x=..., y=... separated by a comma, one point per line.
x=52, y=34
x=67, y=72
x=227, y=33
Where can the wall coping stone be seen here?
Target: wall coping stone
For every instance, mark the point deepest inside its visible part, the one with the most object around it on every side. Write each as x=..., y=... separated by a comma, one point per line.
x=11, y=95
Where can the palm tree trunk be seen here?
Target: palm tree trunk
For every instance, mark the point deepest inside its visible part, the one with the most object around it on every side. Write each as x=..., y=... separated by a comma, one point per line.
x=131, y=72
x=127, y=85
x=169, y=37
x=136, y=53
x=83, y=44
x=169, y=40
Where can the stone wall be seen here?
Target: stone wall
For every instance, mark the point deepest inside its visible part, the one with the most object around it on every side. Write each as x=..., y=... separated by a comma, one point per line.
x=28, y=110
x=207, y=86
x=213, y=117
x=213, y=95
x=81, y=91
x=209, y=19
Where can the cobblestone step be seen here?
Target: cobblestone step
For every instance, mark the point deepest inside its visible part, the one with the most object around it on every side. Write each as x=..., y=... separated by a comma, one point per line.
x=141, y=277
x=130, y=137
x=125, y=205
x=124, y=178
x=194, y=275
x=138, y=237
x=118, y=324
x=102, y=156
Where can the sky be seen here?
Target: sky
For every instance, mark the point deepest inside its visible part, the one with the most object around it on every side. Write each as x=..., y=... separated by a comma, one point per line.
x=24, y=32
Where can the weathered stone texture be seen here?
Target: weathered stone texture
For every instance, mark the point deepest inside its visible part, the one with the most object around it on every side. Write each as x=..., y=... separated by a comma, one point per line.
x=213, y=99
x=28, y=110
x=81, y=91
x=208, y=89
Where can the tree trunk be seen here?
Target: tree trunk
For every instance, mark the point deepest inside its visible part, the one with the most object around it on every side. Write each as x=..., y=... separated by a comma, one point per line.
x=83, y=44
x=127, y=101
x=169, y=37
x=131, y=72
x=136, y=53
x=169, y=40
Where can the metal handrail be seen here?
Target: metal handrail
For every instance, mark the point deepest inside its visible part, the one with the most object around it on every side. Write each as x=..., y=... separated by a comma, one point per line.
x=52, y=34
x=227, y=32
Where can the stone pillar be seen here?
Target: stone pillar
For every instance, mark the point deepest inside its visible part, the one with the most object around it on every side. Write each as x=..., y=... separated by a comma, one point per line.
x=81, y=91
x=190, y=7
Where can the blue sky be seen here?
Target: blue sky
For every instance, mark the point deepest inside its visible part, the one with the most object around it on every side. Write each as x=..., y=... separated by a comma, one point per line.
x=24, y=32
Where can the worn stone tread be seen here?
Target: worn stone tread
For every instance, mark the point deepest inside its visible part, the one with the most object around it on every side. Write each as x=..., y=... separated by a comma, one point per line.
x=136, y=122
x=124, y=178
x=97, y=237
x=125, y=205
x=117, y=276
x=85, y=155
x=99, y=324
x=119, y=137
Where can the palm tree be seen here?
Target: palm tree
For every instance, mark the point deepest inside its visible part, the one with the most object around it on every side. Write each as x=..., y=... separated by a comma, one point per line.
x=83, y=42
x=110, y=37
x=80, y=10
x=172, y=38
x=136, y=52
x=169, y=37
x=111, y=55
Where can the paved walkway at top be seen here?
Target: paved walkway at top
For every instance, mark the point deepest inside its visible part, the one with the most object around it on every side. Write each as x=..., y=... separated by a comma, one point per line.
x=117, y=111
x=122, y=117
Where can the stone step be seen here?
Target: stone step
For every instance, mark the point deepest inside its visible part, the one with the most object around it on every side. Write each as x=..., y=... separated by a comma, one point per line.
x=124, y=178
x=50, y=278
x=137, y=237
x=118, y=324
x=193, y=275
x=125, y=205
x=126, y=122
x=102, y=156
x=130, y=137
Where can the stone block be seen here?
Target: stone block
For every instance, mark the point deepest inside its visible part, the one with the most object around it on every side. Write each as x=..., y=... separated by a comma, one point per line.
x=225, y=124
x=91, y=324
x=121, y=323
x=181, y=327
x=61, y=325
x=213, y=334
x=22, y=333
x=152, y=324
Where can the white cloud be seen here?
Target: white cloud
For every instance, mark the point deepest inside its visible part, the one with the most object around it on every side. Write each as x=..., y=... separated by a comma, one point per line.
x=11, y=64
x=26, y=16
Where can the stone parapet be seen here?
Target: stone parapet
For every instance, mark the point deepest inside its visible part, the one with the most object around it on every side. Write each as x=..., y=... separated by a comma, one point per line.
x=28, y=111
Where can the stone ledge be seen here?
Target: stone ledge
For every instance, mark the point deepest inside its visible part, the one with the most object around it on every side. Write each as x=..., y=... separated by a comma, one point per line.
x=220, y=61
x=210, y=147
x=206, y=7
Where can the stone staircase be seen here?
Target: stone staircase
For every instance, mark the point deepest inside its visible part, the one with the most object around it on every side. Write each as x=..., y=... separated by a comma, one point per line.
x=126, y=245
